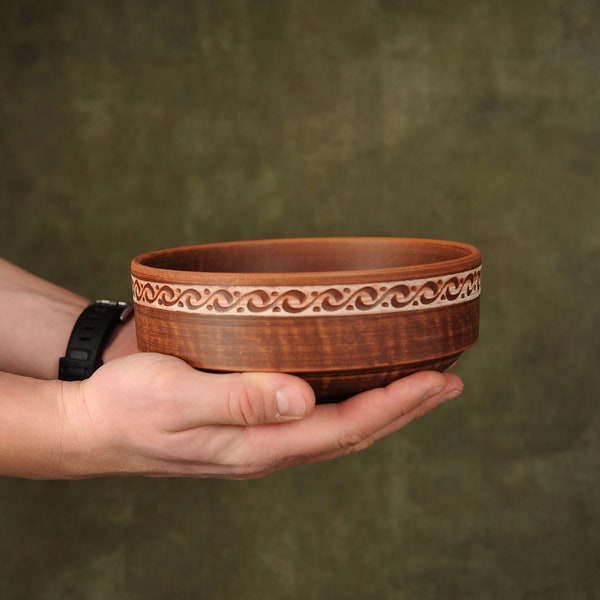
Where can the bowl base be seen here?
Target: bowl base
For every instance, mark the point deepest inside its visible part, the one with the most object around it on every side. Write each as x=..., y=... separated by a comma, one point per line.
x=333, y=387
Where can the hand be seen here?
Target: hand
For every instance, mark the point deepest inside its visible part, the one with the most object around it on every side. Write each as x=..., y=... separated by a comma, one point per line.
x=154, y=415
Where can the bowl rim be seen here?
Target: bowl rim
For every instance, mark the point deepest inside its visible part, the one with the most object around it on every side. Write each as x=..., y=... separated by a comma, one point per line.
x=471, y=259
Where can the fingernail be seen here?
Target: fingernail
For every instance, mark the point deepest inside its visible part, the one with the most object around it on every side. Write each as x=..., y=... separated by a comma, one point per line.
x=432, y=392
x=450, y=395
x=290, y=402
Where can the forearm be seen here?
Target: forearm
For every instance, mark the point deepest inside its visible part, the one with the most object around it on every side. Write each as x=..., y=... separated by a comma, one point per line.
x=34, y=440
x=36, y=320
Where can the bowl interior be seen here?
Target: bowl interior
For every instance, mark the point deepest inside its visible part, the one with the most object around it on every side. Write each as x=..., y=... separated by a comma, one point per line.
x=310, y=255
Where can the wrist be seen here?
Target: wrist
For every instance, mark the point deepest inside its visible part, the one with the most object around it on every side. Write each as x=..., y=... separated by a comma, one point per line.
x=36, y=432
x=121, y=343
x=80, y=450
x=91, y=333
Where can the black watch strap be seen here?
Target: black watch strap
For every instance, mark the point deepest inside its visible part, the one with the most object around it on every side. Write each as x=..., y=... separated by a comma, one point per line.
x=90, y=335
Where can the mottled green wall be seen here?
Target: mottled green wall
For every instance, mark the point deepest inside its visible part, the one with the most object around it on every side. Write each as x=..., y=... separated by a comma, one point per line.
x=130, y=126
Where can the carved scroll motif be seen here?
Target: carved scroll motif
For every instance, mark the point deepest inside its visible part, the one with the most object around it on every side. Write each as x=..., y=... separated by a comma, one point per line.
x=381, y=297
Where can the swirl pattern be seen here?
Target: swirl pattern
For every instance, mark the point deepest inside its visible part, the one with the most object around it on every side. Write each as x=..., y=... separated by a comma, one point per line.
x=381, y=297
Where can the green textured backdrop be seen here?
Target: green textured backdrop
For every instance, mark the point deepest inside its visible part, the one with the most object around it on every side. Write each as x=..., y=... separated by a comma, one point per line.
x=131, y=126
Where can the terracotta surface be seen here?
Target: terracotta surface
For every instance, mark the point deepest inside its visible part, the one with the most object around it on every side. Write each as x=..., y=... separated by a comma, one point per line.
x=346, y=314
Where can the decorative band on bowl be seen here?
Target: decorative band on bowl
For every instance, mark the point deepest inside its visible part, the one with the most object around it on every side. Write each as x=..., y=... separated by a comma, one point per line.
x=304, y=301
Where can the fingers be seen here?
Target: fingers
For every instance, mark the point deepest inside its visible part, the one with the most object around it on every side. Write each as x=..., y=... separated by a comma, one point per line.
x=195, y=398
x=377, y=413
x=430, y=400
x=338, y=429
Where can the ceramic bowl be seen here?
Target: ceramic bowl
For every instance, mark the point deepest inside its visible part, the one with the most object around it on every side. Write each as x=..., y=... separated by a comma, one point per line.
x=346, y=314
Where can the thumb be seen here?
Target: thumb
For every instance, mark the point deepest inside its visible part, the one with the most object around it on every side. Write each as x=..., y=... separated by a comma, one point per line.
x=255, y=398
x=237, y=398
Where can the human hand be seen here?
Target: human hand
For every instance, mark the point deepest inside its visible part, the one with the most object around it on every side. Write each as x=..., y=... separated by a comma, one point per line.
x=151, y=414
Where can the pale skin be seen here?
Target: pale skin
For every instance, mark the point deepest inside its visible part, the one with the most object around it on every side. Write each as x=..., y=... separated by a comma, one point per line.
x=153, y=415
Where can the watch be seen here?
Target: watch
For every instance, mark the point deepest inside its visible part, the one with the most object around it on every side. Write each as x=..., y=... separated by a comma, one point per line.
x=90, y=335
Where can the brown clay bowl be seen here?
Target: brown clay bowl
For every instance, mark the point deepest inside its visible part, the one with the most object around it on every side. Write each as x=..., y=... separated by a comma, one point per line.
x=346, y=314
